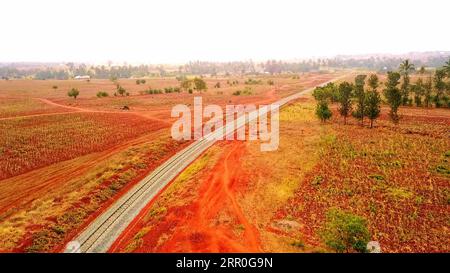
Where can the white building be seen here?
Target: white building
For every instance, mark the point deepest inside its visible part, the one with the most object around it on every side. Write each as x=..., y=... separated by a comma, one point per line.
x=84, y=77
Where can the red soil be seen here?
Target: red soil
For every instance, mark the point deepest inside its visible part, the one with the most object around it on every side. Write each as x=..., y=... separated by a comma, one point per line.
x=195, y=227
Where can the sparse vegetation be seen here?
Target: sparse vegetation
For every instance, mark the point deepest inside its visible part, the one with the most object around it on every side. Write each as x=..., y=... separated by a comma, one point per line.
x=251, y=81
x=247, y=91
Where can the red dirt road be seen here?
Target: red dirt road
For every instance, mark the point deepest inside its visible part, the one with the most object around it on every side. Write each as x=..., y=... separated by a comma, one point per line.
x=196, y=227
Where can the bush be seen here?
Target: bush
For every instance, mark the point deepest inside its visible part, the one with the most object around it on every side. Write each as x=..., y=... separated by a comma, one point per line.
x=102, y=94
x=120, y=90
x=345, y=232
x=252, y=81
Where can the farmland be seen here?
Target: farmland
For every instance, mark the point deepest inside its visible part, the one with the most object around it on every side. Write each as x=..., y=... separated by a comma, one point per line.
x=64, y=160
x=395, y=176
x=33, y=142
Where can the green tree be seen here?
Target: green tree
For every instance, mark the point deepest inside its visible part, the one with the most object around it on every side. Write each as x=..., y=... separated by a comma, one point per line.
x=405, y=69
x=120, y=90
x=373, y=99
x=200, y=84
x=323, y=111
x=360, y=95
x=186, y=84
x=439, y=85
x=393, y=95
x=73, y=93
x=345, y=99
x=345, y=232
x=427, y=91
x=328, y=92
x=447, y=68
x=418, y=90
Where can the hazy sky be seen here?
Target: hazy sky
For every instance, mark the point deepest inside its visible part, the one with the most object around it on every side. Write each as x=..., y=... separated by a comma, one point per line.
x=170, y=31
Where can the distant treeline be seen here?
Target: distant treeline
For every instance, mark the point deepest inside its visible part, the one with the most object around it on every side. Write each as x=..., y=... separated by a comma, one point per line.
x=70, y=70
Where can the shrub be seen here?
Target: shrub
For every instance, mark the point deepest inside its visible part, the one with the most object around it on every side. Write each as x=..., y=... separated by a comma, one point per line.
x=120, y=90
x=345, y=232
x=252, y=81
x=102, y=94
x=247, y=91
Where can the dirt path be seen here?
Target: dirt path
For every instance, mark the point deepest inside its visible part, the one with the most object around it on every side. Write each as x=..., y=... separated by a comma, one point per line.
x=213, y=222
x=218, y=194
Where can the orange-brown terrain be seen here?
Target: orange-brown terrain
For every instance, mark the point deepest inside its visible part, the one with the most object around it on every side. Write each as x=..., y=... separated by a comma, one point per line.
x=64, y=160
x=236, y=198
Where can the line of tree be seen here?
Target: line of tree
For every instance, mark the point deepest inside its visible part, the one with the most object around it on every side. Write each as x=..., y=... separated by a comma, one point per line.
x=428, y=89
x=362, y=98
x=70, y=70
